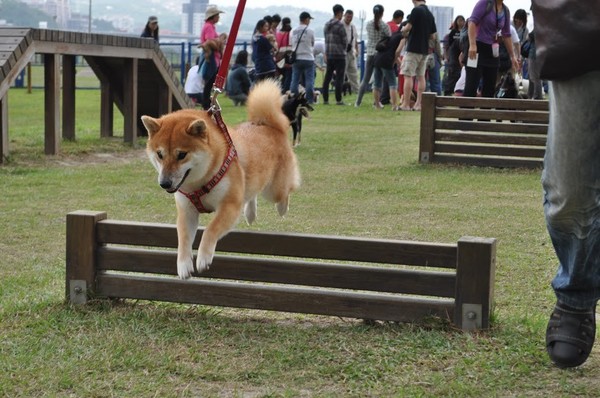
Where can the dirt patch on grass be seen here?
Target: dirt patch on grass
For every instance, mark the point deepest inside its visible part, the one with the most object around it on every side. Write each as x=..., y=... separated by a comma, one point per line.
x=87, y=159
x=78, y=159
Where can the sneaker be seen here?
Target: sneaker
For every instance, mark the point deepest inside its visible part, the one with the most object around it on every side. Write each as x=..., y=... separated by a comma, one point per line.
x=325, y=102
x=570, y=335
x=378, y=105
x=340, y=103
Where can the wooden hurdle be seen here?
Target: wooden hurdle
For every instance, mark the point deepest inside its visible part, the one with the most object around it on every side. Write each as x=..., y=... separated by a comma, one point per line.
x=483, y=131
x=373, y=279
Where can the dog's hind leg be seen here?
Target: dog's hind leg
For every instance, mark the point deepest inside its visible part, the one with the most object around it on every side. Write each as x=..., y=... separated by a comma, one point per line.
x=250, y=210
x=285, y=181
x=283, y=206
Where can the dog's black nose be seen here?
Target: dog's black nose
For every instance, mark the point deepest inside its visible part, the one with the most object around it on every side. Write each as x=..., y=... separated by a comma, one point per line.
x=166, y=184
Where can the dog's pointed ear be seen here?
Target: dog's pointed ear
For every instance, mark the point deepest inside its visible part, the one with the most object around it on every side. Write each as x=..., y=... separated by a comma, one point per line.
x=197, y=128
x=152, y=125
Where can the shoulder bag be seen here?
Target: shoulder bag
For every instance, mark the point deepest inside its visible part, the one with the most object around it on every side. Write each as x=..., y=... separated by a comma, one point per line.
x=290, y=57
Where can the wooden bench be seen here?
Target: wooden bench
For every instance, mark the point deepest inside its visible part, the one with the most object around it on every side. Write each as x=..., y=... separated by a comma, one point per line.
x=483, y=131
x=371, y=279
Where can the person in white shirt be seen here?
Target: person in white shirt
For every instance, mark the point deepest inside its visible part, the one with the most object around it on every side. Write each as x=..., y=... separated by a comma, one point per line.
x=303, y=69
x=194, y=84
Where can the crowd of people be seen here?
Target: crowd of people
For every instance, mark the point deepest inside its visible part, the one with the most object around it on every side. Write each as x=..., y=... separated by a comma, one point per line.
x=403, y=56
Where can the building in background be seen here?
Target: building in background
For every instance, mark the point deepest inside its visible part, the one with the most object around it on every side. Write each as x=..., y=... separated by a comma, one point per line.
x=58, y=10
x=443, y=19
x=192, y=17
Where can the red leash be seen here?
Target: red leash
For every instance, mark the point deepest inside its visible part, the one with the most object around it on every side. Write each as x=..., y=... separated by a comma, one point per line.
x=223, y=69
x=215, y=110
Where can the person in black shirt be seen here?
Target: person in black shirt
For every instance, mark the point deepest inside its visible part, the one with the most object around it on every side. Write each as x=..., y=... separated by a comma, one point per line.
x=452, y=54
x=419, y=29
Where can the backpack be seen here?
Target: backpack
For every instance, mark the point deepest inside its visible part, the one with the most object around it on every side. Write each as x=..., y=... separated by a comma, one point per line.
x=526, y=47
x=464, y=33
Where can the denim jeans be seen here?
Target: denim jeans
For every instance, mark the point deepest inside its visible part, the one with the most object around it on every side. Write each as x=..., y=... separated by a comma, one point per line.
x=434, y=82
x=571, y=183
x=366, y=79
x=304, y=70
x=390, y=76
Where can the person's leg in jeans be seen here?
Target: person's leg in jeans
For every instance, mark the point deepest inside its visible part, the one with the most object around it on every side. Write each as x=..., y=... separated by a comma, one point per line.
x=377, y=87
x=435, y=83
x=366, y=79
x=296, y=72
x=571, y=183
x=390, y=76
x=309, y=80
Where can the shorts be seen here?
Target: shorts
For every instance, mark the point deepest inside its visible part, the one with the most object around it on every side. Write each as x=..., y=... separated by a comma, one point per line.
x=389, y=75
x=413, y=64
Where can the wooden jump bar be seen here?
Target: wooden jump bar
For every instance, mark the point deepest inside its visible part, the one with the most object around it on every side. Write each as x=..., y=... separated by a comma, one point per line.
x=366, y=278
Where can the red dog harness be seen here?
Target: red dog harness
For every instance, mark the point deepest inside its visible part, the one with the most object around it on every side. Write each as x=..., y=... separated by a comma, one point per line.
x=196, y=196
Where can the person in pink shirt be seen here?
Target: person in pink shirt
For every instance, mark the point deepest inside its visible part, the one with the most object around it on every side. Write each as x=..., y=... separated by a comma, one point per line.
x=209, y=32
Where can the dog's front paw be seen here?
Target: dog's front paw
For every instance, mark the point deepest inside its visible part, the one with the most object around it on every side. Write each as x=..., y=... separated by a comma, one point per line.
x=185, y=267
x=204, y=261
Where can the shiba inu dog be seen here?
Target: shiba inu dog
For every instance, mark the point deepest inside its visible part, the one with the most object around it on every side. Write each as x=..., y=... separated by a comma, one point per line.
x=196, y=163
x=295, y=107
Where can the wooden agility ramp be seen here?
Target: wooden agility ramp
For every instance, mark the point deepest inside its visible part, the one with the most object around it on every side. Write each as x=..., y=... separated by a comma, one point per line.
x=133, y=72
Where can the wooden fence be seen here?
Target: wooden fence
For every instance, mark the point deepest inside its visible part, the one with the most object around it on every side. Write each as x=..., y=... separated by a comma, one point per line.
x=483, y=131
x=340, y=276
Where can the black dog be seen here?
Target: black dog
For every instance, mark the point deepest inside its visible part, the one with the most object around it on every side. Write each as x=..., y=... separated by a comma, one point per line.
x=346, y=88
x=295, y=107
x=507, y=87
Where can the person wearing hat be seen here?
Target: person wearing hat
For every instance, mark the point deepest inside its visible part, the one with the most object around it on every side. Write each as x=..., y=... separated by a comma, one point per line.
x=151, y=28
x=209, y=32
x=303, y=69
x=336, y=43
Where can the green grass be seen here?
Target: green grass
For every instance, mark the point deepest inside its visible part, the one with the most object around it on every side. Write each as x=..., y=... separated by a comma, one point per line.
x=360, y=178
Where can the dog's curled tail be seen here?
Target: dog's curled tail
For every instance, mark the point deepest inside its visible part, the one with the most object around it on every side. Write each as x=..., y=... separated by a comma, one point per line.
x=264, y=105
